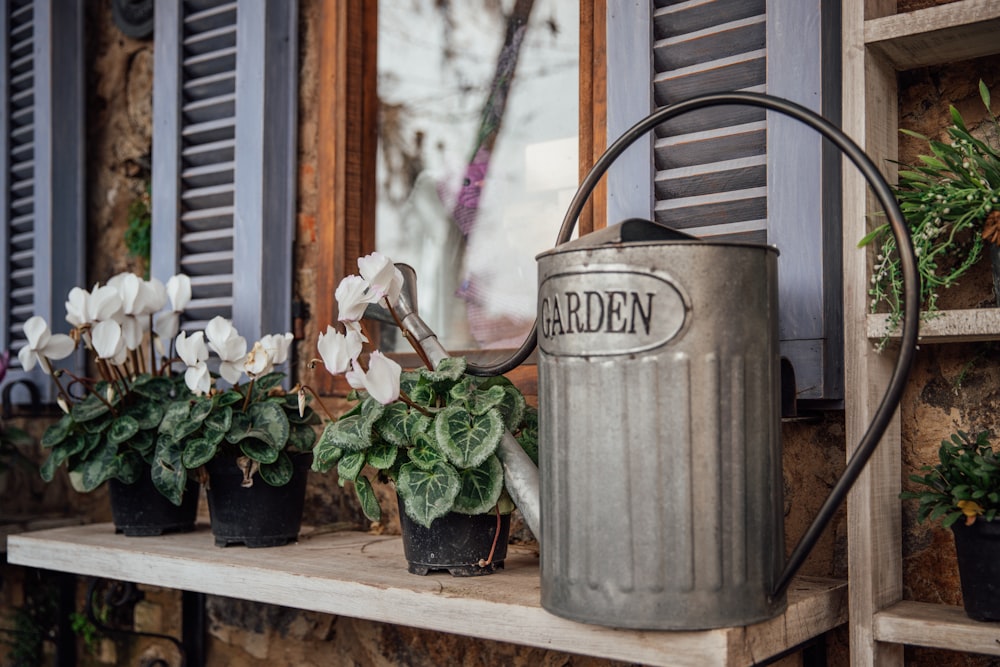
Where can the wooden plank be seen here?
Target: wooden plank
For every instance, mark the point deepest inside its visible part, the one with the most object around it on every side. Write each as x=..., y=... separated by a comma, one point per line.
x=946, y=33
x=946, y=326
x=937, y=625
x=873, y=514
x=364, y=576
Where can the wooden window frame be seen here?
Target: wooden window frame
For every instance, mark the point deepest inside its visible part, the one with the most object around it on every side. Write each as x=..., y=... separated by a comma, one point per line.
x=347, y=142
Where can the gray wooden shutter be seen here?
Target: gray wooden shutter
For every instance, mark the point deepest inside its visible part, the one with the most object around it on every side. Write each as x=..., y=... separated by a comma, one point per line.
x=42, y=192
x=224, y=106
x=739, y=172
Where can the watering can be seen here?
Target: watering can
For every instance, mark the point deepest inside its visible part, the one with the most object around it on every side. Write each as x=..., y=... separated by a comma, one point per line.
x=658, y=498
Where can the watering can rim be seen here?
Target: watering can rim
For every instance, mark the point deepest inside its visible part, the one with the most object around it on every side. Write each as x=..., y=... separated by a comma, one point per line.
x=576, y=246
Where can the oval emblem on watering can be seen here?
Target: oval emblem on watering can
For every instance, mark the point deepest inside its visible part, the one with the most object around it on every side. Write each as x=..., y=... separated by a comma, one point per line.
x=597, y=313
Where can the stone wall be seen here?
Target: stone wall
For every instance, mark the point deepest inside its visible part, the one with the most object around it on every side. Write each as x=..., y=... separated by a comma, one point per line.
x=953, y=386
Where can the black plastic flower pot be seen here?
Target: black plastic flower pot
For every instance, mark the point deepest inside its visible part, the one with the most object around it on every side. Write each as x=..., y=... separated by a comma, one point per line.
x=256, y=516
x=458, y=543
x=140, y=510
x=978, y=550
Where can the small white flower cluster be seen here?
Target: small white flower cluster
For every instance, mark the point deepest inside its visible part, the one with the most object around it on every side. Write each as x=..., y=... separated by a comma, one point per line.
x=111, y=319
x=231, y=348
x=380, y=280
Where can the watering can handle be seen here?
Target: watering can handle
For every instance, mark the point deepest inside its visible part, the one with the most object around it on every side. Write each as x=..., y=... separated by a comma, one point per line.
x=911, y=284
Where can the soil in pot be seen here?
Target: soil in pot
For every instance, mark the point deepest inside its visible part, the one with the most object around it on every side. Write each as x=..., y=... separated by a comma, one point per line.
x=140, y=510
x=256, y=516
x=978, y=550
x=462, y=544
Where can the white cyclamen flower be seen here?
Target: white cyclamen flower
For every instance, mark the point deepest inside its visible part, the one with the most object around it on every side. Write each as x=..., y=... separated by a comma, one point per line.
x=109, y=342
x=43, y=344
x=191, y=349
x=384, y=279
x=83, y=307
x=353, y=296
x=179, y=292
x=382, y=379
x=198, y=379
x=258, y=362
x=277, y=346
x=229, y=345
x=338, y=350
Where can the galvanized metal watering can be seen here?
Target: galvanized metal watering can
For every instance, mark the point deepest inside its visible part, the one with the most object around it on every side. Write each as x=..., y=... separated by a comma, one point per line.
x=660, y=452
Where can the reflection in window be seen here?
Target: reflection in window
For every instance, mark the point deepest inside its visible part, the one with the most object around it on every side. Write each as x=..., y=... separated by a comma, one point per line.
x=477, y=158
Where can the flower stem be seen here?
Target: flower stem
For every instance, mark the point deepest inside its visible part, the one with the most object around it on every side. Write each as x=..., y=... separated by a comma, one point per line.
x=419, y=408
x=319, y=400
x=246, y=399
x=414, y=343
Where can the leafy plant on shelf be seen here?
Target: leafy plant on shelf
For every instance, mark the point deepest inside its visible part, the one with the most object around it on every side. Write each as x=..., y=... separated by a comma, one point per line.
x=137, y=414
x=950, y=203
x=432, y=432
x=965, y=482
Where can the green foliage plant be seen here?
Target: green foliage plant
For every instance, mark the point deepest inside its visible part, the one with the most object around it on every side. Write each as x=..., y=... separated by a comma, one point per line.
x=439, y=450
x=138, y=232
x=432, y=432
x=964, y=483
x=141, y=412
x=945, y=199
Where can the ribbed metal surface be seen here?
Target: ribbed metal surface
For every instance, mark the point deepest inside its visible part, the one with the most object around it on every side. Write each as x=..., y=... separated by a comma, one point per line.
x=660, y=502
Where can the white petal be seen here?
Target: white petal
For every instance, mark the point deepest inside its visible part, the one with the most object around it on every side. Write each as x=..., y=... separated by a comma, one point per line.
x=191, y=349
x=198, y=379
x=154, y=296
x=379, y=271
x=231, y=371
x=277, y=347
x=106, y=338
x=233, y=349
x=59, y=346
x=132, y=331
x=382, y=378
x=27, y=357
x=353, y=296
x=130, y=288
x=37, y=332
x=76, y=306
x=179, y=291
x=166, y=325
x=105, y=303
x=218, y=331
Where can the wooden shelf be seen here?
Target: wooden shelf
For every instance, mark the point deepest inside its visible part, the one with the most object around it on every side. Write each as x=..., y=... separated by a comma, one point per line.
x=936, y=625
x=364, y=576
x=946, y=33
x=947, y=326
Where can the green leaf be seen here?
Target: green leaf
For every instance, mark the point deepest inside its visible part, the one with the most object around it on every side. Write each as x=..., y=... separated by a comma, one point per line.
x=424, y=455
x=427, y=494
x=212, y=436
x=168, y=471
x=352, y=433
x=201, y=407
x=148, y=414
x=467, y=439
x=99, y=424
x=278, y=473
x=301, y=437
x=382, y=455
x=449, y=369
x=512, y=408
x=367, y=498
x=228, y=397
x=350, y=466
x=268, y=423
x=481, y=487
x=175, y=418
x=984, y=93
x=154, y=387
x=99, y=468
x=956, y=117
x=142, y=442
x=57, y=432
x=122, y=429
x=198, y=452
x=259, y=451
x=239, y=427
x=325, y=457
x=392, y=424
x=56, y=458
x=130, y=466
x=481, y=401
x=89, y=408
x=265, y=383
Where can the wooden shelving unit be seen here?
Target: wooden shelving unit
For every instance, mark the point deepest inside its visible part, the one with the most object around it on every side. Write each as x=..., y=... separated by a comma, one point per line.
x=364, y=576
x=876, y=45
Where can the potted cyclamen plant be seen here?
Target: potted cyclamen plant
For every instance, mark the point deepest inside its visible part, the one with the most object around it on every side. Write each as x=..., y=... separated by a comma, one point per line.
x=963, y=491
x=432, y=432
x=110, y=429
x=252, y=440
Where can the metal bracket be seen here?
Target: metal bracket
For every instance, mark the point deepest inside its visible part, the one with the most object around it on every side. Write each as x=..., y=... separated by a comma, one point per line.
x=125, y=594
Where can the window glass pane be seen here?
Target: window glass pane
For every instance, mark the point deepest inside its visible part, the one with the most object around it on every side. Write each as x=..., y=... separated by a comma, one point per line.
x=477, y=158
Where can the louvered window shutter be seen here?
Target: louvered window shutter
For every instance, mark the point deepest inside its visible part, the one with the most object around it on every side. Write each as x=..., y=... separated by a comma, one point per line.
x=739, y=172
x=224, y=106
x=43, y=235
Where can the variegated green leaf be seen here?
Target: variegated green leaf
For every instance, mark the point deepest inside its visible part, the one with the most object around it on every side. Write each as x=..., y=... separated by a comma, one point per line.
x=278, y=473
x=382, y=455
x=230, y=397
x=221, y=419
x=99, y=467
x=301, y=437
x=148, y=414
x=122, y=429
x=130, y=465
x=325, y=457
x=259, y=451
x=198, y=452
x=350, y=466
x=352, y=433
x=392, y=424
x=201, y=407
x=268, y=423
x=483, y=400
x=239, y=427
x=168, y=471
x=367, y=498
x=57, y=457
x=467, y=439
x=89, y=408
x=481, y=487
x=57, y=432
x=449, y=369
x=424, y=455
x=512, y=407
x=174, y=418
x=427, y=494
